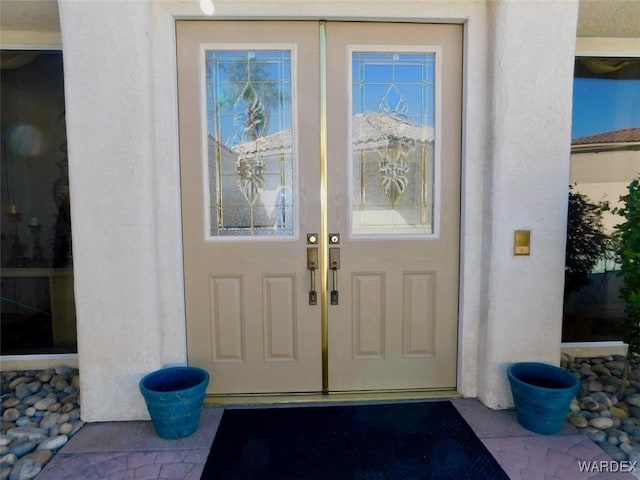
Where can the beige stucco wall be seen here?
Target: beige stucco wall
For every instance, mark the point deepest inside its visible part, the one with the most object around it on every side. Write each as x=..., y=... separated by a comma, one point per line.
x=525, y=188
x=124, y=170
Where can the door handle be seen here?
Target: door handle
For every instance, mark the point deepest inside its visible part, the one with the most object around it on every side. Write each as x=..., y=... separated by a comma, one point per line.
x=334, y=266
x=312, y=266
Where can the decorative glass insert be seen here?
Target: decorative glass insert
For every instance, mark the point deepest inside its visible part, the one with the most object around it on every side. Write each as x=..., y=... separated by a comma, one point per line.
x=249, y=142
x=393, y=134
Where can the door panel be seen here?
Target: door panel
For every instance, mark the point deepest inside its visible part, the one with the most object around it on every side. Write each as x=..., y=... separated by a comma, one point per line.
x=251, y=160
x=249, y=117
x=394, y=129
x=368, y=315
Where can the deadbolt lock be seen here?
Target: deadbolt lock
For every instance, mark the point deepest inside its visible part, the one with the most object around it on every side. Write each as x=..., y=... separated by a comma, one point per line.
x=334, y=239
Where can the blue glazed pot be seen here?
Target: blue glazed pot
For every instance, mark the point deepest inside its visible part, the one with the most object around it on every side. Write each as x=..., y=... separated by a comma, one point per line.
x=542, y=395
x=174, y=398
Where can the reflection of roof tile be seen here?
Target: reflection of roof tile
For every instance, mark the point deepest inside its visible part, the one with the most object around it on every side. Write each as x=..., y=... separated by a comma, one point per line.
x=625, y=135
x=277, y=141
x=368, y=128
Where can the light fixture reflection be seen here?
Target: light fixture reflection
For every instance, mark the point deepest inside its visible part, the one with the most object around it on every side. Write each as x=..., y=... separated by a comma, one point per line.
x=25, y=140
x=207, y=7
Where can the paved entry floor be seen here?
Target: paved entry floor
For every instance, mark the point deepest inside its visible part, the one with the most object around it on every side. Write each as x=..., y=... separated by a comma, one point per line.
x=132, y=450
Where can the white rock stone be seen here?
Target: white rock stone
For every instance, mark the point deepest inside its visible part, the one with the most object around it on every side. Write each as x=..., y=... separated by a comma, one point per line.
x=53, y=443
x=23, y=422
x=11, y=415
x=31, y=399
x=615, y=365
x=22, y=391
x=32, y=433
x=594, y=434
x=66, y=428
x=44, y=403
x=25, y=469
x=578, y=420
x=595, y=386
x=63, y=418
x=49, y=420
x=41, y=456
x=64, y=371
x=74, y=414
x=601, y=370
x=10, y=402
x=17, y=381
x=44, y=376
x=601, y=423
x=8, y=459
x=34, y=386
x=60, y=385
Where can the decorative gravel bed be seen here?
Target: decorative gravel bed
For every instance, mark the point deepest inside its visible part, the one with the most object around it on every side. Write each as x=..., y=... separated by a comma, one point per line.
x=601, y=411
x=40, y=411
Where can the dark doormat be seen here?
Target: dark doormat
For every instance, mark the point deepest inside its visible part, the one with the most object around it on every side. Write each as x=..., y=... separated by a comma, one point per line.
x=396, y=441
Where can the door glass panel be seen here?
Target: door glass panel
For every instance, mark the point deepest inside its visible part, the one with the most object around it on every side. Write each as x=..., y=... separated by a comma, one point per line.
x=249, y=142
x=393, y=136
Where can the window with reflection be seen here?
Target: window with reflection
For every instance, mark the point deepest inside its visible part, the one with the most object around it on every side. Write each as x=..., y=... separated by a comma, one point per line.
x=605, y=158
x=38, y=308
x=393, y=136
x=250, y=143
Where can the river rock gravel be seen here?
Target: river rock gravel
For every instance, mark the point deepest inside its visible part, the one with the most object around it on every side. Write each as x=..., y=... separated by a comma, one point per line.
x=39, y=413
x=602, y=410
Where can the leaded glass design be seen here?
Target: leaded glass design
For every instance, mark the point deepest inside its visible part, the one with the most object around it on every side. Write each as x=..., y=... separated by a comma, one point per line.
x=393, y=133
x=250, y=160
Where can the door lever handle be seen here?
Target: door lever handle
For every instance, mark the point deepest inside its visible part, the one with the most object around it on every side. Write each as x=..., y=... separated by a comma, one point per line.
x=312, y=266
x=334, y=266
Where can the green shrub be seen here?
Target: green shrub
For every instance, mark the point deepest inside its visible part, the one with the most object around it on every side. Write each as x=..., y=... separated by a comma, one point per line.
x=628, y=237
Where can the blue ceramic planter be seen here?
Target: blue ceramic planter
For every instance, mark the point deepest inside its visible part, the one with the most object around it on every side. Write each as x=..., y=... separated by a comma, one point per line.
x=542, y=395
x=174, y=398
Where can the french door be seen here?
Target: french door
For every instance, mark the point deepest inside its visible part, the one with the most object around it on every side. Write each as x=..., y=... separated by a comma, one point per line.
x=320, y=178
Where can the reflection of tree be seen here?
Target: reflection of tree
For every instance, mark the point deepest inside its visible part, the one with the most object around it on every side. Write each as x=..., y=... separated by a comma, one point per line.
x=586, y=241
x=250, y=83
x=253, y=90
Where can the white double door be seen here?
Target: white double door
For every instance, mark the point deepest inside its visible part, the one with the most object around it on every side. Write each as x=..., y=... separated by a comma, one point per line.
x=341, y=139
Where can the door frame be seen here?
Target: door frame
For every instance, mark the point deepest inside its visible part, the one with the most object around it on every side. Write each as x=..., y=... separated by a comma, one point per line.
x=324, y=255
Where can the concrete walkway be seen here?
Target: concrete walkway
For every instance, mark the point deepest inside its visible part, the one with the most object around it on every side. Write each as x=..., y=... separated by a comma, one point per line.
x=132, y=450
